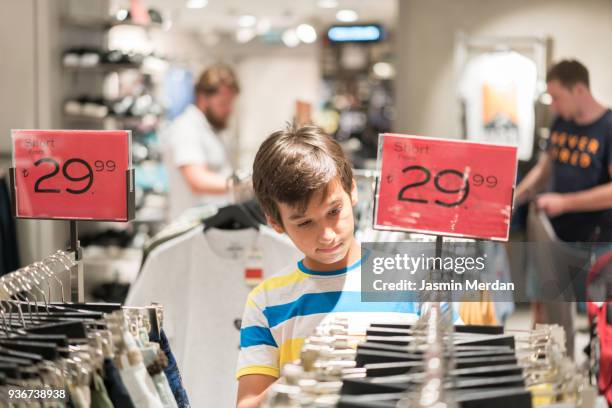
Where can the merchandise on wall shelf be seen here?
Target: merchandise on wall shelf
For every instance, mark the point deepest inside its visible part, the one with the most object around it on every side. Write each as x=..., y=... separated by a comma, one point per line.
x=105, y=85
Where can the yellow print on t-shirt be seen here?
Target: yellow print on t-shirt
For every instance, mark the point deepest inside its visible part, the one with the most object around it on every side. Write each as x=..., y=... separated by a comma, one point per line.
x=573, y=149
x=564, y=155
x=593, y=146
x=585, y=160
x=574, y=158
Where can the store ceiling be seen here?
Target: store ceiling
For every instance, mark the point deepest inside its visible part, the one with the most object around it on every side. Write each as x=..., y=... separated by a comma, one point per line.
x=223, y=15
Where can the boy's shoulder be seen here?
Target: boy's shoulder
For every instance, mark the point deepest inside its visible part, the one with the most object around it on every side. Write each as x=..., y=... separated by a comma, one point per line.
x=275, y=287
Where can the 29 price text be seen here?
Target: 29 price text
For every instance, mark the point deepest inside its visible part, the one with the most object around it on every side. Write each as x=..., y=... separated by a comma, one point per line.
x=70, y=171
x=478, y=180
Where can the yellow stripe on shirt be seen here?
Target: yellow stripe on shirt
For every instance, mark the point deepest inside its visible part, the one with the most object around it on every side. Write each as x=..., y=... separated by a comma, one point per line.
x=262, y=370
x=290, y=351
x=276, y=282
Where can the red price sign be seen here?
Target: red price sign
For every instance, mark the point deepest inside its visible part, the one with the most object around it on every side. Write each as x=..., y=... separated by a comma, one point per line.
x=72, y=174
x=445, y=187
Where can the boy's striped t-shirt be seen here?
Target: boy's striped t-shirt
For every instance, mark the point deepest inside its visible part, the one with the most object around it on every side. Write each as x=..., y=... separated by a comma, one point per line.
x=285, y=309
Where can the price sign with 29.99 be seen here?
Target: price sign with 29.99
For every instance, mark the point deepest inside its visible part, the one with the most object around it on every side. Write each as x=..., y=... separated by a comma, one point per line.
x=72, y=174
x=445, y=187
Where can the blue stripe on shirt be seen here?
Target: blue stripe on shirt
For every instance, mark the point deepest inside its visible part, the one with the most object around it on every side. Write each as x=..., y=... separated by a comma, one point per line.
x=304, y=269
x=327, y=302
x=256, y=336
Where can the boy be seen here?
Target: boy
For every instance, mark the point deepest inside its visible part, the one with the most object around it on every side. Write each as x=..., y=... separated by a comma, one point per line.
x=305, y=186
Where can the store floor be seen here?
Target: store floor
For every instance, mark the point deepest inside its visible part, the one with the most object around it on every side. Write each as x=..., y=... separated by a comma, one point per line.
x=521, y=319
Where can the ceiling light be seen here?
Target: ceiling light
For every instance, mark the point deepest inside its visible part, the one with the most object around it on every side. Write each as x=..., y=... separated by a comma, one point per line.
x=121, y=14
x=306, y=33
x=327, y=4
x=347, y=16
x=545, y=98
x=290, y=38
x=196, y=4
x=244, y=35
x=263, y=26
x=247, y=21
x=383, y=70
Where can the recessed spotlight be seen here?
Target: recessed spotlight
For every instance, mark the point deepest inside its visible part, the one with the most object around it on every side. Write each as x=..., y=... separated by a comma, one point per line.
x=347, y=16
x=306, y=33
x=290, y=38
x=121, y=14
x=196, y=4
x=327, y=4
x=263, y=26
x=247, y=21
x=244, y=35
x=545, y=98
x=383, y=70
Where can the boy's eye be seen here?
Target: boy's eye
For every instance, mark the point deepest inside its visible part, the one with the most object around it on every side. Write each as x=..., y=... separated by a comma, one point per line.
x=335, y=211
x=303, y=224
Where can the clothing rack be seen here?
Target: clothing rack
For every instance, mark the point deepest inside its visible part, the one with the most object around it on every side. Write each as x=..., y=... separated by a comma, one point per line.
x=431, y=363
x=55, y=353
x=49, y=270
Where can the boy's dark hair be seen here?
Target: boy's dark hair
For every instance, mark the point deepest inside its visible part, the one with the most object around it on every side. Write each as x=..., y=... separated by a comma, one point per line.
x=215, y=76
x=569, y=73
x=292, y=164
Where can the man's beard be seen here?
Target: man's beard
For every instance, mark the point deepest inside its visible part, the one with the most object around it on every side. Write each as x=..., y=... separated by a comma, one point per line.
x=216, y=122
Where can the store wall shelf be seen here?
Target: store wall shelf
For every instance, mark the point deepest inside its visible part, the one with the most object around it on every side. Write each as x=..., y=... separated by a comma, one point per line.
x=104, y=68
x=88, y=23
x=132, y=120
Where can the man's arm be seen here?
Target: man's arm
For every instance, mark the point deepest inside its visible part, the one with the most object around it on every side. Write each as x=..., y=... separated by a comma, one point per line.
x=252, y=390
x=203, y=181
x=593, y=199
x=535, y=180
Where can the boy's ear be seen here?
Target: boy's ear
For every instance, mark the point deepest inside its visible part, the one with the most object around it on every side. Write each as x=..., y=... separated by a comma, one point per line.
x=275, y=226
x=354, y=195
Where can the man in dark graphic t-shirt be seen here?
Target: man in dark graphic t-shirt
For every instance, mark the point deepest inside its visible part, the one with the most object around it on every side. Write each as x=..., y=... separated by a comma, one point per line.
x=577, y=161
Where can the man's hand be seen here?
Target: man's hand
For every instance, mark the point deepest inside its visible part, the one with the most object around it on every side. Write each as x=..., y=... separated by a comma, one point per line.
x=203, y=181
x=553, y=204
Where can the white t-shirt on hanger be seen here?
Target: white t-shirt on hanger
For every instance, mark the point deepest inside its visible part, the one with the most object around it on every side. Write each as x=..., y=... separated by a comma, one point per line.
x=190, y=139
x=199, y=278
x=499, y=91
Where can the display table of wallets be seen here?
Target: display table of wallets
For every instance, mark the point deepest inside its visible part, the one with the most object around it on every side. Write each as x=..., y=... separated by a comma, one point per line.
x=432, y=364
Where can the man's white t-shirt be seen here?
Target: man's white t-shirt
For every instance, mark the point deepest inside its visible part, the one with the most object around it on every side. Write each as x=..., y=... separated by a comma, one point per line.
x=499, y=90
x=190, y=139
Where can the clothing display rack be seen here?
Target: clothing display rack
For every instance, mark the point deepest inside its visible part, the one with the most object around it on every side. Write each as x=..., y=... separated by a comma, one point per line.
x=67, y=354
x=431, y=364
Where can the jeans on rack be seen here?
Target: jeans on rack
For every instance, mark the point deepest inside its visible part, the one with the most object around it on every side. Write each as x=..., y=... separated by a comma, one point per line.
x=172, y=371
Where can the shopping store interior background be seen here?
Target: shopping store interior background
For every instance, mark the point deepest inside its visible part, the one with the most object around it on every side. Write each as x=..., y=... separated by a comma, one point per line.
x=91, y=64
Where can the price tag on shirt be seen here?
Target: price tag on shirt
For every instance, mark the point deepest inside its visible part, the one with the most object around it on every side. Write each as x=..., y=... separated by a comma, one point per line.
x=253, y=269
x=445, y=187
x=73, y=174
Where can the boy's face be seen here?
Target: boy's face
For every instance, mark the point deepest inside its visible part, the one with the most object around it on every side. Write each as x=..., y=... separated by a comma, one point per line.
x=324, y=232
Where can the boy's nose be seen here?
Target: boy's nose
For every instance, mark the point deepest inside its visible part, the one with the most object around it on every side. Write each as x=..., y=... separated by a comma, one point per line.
x=327, y=235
